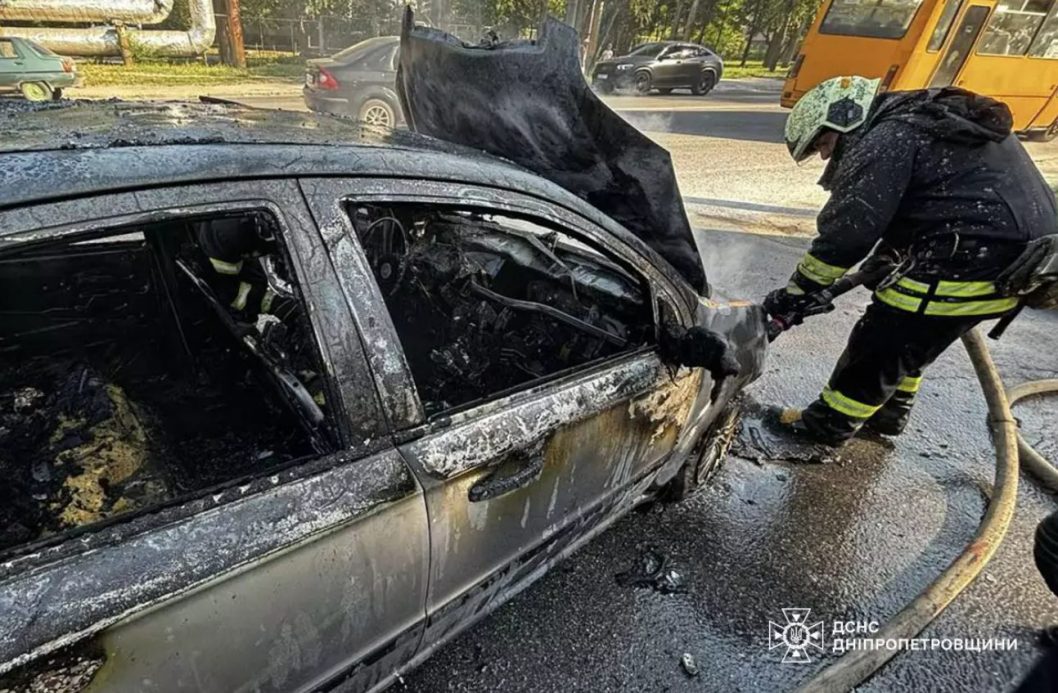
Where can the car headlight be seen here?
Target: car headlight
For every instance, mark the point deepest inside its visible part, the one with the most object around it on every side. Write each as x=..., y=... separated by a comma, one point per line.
x=626, y=66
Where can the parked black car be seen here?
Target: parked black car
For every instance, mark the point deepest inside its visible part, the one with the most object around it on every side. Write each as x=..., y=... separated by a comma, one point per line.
x=357, y=82
x=661, y=65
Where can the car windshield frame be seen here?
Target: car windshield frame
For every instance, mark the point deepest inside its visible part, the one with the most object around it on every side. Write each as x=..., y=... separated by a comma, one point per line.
x=40, y=50
x=366, y=46
x=650, y=49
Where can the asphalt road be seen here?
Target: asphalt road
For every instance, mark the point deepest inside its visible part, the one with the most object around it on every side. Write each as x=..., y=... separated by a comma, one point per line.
x=850, y=540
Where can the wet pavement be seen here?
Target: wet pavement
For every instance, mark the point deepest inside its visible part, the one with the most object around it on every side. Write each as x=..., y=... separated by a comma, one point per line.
x=852, y=539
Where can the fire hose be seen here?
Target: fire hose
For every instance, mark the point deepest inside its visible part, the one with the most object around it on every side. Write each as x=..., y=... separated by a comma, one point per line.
x=857, y=666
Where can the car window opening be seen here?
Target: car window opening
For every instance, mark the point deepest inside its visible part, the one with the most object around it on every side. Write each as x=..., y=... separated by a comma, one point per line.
x=148, y=364
x=484, y=303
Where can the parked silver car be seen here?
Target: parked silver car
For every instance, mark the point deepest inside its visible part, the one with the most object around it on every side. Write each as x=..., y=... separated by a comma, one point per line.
x=285, y=403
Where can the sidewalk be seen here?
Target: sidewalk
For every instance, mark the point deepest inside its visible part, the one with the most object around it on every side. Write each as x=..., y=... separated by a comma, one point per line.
x=184, y=92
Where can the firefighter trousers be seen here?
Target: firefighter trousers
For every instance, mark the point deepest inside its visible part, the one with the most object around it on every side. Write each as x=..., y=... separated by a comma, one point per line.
x=878, y=376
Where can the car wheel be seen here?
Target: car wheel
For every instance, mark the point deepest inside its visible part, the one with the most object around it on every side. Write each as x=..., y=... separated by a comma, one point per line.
x=705, y=459
x=665, y=91
x=643, y=82
x=56, y=94
x=603, y=87
x=705, y=84
x=36, y=91
x=377, y=112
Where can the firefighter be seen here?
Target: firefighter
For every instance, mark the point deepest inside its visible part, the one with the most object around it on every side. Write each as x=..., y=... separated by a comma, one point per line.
x=236, y=247
x=934, y=182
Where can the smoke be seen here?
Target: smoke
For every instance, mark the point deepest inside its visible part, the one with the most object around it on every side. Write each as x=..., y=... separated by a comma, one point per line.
x=732, y=268
x=648, y=121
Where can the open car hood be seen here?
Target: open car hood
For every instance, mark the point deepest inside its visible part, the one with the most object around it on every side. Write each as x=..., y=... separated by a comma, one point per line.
x=527, y=101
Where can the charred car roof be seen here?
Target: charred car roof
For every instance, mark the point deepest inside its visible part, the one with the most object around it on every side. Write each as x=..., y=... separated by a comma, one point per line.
x=68, y=149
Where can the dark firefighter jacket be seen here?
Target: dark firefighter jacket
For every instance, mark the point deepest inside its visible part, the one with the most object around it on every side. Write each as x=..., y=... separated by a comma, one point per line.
x=936, y=175
x=234, y=247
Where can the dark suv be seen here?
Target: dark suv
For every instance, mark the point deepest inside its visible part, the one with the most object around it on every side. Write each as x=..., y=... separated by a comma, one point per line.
x=357, y=82
x=662, y=65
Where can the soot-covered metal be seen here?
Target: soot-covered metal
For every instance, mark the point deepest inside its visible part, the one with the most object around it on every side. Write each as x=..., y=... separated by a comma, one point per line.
x=121, y=388
x=484, y=303
x=527, y=101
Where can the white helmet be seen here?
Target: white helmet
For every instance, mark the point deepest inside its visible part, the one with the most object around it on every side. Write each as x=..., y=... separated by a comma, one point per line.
x=839, y=103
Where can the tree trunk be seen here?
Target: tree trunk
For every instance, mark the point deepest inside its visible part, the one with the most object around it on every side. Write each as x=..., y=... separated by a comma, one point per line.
x=235, y=52
x=794, y=41
x=753, y=28
x=771, y=55
x=691, y=14
x=778, y=40
x=572, y=12
x=675, y=30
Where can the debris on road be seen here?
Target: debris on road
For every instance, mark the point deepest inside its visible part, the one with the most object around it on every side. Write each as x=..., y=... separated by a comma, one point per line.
x=761, y=437
x=650, y=571
x=690, y=667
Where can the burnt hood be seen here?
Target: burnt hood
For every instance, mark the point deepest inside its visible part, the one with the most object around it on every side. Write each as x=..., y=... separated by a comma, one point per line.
x=527, y=101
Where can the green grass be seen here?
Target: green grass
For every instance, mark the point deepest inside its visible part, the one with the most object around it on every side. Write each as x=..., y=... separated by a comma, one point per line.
x=176, y=73
x=753, y=68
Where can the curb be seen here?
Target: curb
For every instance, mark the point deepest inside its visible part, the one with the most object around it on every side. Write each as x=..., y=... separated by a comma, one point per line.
x=750, y=217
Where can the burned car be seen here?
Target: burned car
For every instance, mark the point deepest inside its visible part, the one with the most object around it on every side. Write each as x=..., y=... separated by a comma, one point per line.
x=287, y=402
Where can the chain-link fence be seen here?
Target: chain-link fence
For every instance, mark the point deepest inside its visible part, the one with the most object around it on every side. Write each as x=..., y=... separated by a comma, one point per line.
x=328, y=34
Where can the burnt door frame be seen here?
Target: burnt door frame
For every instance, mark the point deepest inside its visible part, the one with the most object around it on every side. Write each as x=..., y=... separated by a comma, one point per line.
x=943, y=75
x=596, y=428
x=327, y=198
x=132, y=587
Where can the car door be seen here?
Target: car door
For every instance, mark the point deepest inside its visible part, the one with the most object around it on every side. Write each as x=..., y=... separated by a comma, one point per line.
x=688, y=65
x=520, y=477
x=665, y=70
x=11, y=63
x=308, y=575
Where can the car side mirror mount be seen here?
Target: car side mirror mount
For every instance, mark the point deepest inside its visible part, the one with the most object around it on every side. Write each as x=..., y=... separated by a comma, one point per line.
x=698, y=347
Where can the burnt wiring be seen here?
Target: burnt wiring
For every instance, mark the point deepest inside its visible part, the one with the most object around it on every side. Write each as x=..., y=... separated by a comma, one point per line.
x=481, y=306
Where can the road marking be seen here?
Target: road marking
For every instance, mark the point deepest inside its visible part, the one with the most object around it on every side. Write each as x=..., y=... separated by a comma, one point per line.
x=751, y=206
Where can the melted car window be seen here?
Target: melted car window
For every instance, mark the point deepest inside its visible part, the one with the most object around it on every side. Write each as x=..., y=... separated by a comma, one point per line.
x=147, y=363
x=485, y=303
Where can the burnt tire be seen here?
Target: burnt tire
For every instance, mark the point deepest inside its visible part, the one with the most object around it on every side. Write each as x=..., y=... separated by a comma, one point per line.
x=643, y=82
x=705, y=84
x=36, y=91
x=377, y=111
x=703, y=462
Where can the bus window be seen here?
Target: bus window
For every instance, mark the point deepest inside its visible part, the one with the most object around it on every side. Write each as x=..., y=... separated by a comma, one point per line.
x=1046, y=43
x=877, y=19
x=951, y=8
x=1012, y=26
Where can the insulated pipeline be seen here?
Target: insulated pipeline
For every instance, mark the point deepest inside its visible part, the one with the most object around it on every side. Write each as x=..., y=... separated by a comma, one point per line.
x=856, y=666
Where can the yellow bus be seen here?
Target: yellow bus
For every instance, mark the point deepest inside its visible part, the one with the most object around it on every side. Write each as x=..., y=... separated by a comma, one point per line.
x=1007, y=49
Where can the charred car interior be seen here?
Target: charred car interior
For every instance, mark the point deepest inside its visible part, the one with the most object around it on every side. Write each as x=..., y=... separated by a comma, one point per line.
x=144, y=363
x=484, y=303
